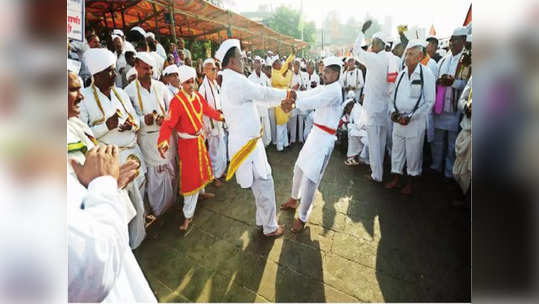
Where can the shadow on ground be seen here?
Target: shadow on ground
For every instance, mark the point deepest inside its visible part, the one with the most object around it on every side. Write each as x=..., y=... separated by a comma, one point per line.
x=362, y=243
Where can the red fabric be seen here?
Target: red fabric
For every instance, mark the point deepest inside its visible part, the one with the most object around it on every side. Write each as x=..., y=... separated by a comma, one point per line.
x=391, y=77
x=324, y=128
x=195, y=164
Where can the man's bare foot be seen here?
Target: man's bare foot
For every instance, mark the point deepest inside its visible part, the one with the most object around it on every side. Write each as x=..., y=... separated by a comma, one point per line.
x=185, y=224
x=407, y=190
x=218, y=183
x=298, y=225
x=205, y=196
x=370, y=179
x=392, y=184
x=278, y=232
x=291, y=204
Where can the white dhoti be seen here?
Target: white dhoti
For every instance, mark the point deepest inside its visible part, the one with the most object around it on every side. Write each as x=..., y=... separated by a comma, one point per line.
x=309, y=121
x=407, y=150
x=462, y=170
x=377, y=140
x=292, y=126
x=301, y=127
x=282, y=137
x=161, y=175
x=266, y=211
x=358, y=145
x=271, y=116
x=135, y=190
x=309, y=170
x=217, y=152
x=190, y=204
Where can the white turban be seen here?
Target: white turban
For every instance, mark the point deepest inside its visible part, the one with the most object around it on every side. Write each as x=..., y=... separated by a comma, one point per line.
x=273, y=59
x=131, y=72
x=225, y=46
x=416, y=42
x=114, y=36
x=147, y=57
x=150, y=34
x=469, y=38
x=140, y=30
x=208, y=60
x=332, y=61
x=98, y=59
x=171, y=69
x=460, y=31
x=118, y=32
x=73, y=66
x=186, y=72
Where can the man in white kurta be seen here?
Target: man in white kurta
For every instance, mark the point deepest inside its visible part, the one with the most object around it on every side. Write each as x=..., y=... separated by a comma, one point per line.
x=151, y=99
x=413, y=100
x=446, y=123
x=314, y=156
x=112, y=119
x=296, y=122
x=257, y=76
x=377, y=95
x=313, y=81
x=353, y=78
x=238, y=96
x=358, y=149
x=101, y=266
x=214, y=130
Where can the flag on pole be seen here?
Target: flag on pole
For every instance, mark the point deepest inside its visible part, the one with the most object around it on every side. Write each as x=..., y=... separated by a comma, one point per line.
x=468, y=16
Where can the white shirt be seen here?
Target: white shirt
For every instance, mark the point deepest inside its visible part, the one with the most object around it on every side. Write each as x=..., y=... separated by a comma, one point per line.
x=357, y=127
x=161, y=51
x=91, y=114
x=327, y=102
x=238, y=95
x=173, y=90
x=377, y=90
x=101, y=264
x=264, y=81
x=300, y=78
x=210, y=90
x=354, y=79
x=158, y=99
x=158, y=68
x=408, y=92
x=448, y=65
x=312, y=78
x=466, y=123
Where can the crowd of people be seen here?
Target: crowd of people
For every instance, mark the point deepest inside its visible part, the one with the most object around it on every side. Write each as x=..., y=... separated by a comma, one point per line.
x=142, y=120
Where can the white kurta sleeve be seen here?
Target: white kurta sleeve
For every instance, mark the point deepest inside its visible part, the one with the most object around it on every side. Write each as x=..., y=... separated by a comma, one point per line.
x=367, y=58
x=306, y=100
x=100, y=129
x=268, y=95
x=98, y=238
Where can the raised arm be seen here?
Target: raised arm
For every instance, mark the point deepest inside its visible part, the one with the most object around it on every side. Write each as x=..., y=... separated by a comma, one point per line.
x=209, y=111
x=320, y=98
x=169, y=123
x=262, y=94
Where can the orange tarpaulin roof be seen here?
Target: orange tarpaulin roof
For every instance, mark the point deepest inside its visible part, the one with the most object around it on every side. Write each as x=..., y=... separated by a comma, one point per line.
x=194, y=19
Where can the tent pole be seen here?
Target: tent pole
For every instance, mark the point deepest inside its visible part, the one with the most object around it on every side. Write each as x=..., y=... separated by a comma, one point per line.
x=172, y=23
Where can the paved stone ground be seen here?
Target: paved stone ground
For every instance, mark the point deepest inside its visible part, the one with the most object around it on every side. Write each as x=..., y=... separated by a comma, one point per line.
x=362, y=243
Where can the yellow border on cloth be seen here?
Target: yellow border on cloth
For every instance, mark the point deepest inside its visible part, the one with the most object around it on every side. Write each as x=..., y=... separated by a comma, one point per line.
x=242, y=154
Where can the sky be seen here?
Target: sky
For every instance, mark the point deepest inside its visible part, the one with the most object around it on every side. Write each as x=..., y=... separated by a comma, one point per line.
x=444, y=15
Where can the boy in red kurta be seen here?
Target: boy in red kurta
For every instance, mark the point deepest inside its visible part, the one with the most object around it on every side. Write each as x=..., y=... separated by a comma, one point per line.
x=185, y=116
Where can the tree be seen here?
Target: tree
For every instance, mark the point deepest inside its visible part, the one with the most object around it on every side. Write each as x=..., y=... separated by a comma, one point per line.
x=286, y=21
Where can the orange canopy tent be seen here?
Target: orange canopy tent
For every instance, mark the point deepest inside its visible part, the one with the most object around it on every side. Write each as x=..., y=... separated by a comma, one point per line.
x=191, y=19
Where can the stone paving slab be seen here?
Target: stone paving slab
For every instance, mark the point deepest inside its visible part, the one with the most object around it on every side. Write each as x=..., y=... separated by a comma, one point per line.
x=362, y=244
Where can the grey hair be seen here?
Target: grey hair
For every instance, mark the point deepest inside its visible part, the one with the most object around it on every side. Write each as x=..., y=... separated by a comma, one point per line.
x=378, y=43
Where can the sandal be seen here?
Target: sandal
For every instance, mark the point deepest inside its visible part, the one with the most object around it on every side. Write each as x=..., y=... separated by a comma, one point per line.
x=351, y=162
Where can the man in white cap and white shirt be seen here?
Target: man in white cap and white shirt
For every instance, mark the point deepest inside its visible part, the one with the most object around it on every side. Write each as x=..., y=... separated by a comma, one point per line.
x=377, y=96
x=151, y=100
x=296, y=122
x=313, y=81
x=353, y=78
x=446, y=120
x=238, y=96
x=257, y=76
x=171, y=76
x=98, y=213
x=215, y=131
x=413, y=99
x=313, y=158
x=158, y=47
x=109, y=113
